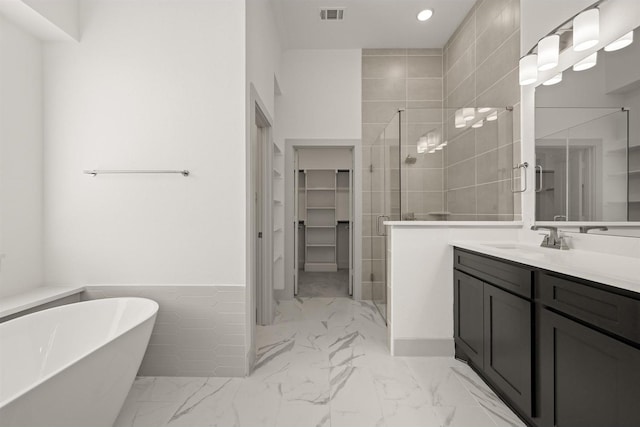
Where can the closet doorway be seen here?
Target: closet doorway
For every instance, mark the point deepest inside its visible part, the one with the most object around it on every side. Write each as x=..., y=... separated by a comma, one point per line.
x=324, y=232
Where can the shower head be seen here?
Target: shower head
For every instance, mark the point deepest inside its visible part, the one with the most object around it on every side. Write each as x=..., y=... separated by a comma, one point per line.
x=410, y=160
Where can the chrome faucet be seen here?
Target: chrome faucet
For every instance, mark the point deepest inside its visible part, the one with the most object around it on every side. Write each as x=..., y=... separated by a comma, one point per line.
x=553, y=239
x=585, y=228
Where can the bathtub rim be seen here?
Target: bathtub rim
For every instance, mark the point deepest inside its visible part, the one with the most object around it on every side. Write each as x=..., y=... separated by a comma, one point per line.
x=155, y=307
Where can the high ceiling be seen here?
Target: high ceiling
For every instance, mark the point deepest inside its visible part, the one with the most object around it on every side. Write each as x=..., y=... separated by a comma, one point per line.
x=368, y=23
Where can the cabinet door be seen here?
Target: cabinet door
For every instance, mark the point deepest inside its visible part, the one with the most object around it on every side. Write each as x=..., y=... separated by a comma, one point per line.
x=468, y=317
x=588, y=379
x=507, y=346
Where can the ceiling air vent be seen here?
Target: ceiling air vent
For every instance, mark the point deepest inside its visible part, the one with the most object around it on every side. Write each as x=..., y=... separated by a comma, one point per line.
x=332, y=14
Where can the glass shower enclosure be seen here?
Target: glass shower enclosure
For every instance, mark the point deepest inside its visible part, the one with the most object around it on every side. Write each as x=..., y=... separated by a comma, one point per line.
x=433, y=164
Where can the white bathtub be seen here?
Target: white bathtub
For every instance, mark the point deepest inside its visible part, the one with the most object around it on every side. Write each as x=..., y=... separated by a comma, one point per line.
x=72, y=365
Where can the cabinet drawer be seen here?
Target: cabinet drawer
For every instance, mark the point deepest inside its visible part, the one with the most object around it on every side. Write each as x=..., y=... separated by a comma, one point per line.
x=501, y=273
x=609, y=311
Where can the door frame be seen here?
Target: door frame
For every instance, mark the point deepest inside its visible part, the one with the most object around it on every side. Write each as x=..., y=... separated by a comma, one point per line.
x=259, y=300
x=290, y=168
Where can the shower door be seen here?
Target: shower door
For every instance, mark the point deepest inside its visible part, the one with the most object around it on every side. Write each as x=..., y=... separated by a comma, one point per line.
x=384, y=187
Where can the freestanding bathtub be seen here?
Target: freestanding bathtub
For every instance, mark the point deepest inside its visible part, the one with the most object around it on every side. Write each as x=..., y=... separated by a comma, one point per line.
x=72, y=365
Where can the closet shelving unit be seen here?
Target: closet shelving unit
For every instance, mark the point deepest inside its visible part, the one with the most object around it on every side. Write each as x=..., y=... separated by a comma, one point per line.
x=321, y=221
x=634, y=183
x=631, y=199
x=278, y=217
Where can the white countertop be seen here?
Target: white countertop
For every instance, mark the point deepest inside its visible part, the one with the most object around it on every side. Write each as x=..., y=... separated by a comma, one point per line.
x=452, y=224
x=12, y=304
x=614, y=270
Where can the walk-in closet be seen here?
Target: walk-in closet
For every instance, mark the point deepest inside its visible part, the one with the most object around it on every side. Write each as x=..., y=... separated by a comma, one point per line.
x=324, y=238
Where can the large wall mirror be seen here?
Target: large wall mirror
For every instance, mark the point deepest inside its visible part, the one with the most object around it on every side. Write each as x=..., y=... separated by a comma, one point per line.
x=588, y=141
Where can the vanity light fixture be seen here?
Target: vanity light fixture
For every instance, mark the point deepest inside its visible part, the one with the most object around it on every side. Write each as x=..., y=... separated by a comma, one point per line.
x=622, y=42
x=586, y=30
x=492, y=117
x=528, y=69
x=588, y=62
x=425, y=15
x=553, y=80
x=459, y=119
x=478, y=124
x=585, y=27
x=548, y=52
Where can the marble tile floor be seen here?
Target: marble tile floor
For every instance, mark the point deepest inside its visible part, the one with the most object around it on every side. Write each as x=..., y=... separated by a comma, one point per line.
x=324, y=362
x=327, y=284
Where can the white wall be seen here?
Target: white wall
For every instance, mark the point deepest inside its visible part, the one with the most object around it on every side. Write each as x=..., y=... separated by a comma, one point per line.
x=264, y=53
x=321, y=94
x=20, y=160
x=152, y=85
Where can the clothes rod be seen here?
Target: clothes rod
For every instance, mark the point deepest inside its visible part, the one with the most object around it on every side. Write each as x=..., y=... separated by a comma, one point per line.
x=95, y=172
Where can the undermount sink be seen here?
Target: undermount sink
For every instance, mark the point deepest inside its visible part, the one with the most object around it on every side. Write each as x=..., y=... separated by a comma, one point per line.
x=528, y=251
x=503, y=245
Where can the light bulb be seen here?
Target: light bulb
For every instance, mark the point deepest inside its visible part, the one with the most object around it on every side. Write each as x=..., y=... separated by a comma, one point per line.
x=588, y=62
x=622, y=42
x=484, y=109
x=586, y=30
x=528, y=70
x=459, y=119
x=548, y=52
x=553, y=80
x=478, y=124
x=468, y=113
x=422, y=145
x=424, y=15
x=493, y=116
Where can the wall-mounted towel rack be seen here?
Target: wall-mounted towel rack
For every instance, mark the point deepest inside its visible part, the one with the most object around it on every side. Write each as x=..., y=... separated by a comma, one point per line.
x=95, y=172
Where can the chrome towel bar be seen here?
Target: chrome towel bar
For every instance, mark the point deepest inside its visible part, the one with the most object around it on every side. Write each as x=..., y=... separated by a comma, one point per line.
x=95, y=172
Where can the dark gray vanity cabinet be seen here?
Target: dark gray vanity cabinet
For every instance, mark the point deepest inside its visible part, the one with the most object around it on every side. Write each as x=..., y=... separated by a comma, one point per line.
x=561, y=351
x=508, y=345
x=468, y=293
x=589, y=354
x=493, y=323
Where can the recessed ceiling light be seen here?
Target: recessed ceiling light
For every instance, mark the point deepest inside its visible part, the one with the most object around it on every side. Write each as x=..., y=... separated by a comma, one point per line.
x=425, y=15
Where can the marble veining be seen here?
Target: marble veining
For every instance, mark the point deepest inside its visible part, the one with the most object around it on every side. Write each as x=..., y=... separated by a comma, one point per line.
x=323, y=363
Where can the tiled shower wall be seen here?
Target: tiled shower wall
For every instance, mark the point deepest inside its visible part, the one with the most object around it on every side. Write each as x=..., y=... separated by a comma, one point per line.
x=394, y=79
x=481, y=69
x=199, y=330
